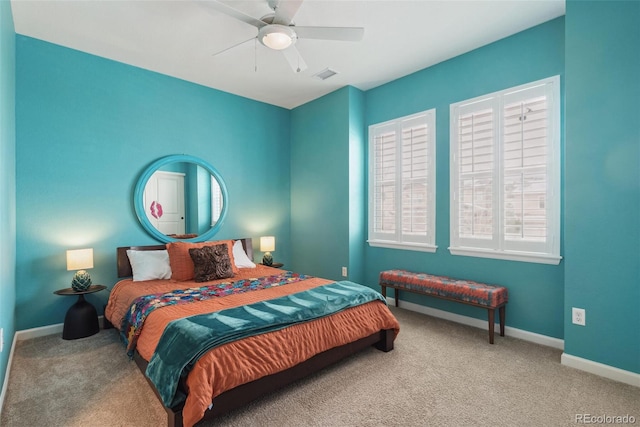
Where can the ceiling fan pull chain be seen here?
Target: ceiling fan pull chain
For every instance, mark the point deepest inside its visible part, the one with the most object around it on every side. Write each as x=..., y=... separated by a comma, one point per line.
x=255, y=55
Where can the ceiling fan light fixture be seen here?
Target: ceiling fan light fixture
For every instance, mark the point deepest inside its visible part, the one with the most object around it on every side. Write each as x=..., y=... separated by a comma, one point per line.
x=277, y=37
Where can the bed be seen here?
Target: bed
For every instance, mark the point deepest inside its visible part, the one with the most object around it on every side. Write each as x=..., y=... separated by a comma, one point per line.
x=234, y=372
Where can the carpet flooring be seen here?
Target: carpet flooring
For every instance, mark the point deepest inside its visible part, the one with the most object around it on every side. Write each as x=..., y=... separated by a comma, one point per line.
x=439, y=374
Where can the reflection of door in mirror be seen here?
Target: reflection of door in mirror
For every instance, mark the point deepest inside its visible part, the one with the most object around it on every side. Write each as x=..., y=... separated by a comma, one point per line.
x=164, y=202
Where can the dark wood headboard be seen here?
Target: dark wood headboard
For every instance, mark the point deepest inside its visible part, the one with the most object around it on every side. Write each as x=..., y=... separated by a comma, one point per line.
x=124, y=267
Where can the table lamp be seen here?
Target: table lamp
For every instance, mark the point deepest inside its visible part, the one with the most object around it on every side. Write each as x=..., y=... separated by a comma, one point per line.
x=267, y=244
x=79, y=259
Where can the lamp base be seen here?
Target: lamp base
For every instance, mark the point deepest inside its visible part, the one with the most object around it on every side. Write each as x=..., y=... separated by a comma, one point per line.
x=267, y=259
x=81, y=281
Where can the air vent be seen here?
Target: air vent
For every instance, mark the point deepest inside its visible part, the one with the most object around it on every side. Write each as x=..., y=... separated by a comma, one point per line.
x=325, y=74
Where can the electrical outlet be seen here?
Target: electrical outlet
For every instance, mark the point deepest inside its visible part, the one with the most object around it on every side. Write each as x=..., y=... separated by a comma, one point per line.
x=344, y=271
x=578, y=316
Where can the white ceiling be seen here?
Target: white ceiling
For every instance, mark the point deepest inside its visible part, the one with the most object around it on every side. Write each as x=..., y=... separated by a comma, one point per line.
x=179, y=38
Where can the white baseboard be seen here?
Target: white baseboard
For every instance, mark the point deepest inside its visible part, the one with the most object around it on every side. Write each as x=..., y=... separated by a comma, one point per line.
x=5, y=383
x=43, y=331
x=482, y=324
x=601, y=369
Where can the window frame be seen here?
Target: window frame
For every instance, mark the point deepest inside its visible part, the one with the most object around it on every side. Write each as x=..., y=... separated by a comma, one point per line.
x=217, y=200
x=400, y=240
x=498, y=246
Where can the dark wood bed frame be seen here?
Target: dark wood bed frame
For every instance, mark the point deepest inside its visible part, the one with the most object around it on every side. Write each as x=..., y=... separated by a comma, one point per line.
x=243, y=394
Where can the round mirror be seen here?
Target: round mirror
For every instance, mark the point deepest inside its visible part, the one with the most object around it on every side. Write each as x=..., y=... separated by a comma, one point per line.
x=180, y=197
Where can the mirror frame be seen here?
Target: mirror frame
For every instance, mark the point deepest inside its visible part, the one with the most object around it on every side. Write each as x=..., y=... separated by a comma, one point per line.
x=138, y=196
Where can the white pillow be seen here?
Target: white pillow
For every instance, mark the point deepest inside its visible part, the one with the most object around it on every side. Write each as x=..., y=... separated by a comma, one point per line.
x=240, y=257
x=149, y=265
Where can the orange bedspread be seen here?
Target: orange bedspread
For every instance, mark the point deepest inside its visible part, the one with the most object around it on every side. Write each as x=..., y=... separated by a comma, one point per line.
x=236, y=363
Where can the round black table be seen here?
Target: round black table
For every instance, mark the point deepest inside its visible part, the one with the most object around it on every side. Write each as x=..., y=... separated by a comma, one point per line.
x=81, y=319
x=275, y=265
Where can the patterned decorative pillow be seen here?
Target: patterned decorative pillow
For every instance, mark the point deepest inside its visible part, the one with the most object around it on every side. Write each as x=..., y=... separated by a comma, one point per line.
x=211, y=263
x=181, y=263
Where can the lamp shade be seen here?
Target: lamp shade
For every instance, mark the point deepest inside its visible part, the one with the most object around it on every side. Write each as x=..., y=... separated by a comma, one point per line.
x=267, y=243
x=79, y=259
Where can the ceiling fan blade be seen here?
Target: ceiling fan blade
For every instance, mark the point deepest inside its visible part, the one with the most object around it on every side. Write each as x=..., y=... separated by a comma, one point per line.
x=295, y=60
x=231, y=47
x=234, y=13
x=285, y=10
x=348, y=34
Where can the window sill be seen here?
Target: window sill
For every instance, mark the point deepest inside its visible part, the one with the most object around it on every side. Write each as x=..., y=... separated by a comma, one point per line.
x=402, y=246
x=508, y=255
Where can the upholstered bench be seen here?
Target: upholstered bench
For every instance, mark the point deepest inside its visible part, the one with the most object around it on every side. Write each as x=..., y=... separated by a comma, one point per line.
x=462, y=291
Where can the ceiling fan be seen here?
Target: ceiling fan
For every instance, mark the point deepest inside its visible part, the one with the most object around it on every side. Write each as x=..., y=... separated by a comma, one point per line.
x=277, y=31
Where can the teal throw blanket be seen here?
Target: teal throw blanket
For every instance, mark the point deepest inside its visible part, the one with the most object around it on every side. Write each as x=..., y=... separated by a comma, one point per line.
x=185, y=340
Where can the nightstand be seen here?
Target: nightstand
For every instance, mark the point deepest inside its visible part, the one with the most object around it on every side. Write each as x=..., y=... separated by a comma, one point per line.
x=275, y=265
x=81, y=319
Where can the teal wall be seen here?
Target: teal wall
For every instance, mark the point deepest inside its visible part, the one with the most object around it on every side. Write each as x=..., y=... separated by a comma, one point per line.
x=320, y=185
x=357, y=185
x=328, y=196
x=602, y=193
x=86, y=129
x=7, y=182
x=535, y=290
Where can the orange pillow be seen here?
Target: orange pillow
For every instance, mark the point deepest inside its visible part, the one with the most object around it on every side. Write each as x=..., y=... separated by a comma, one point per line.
x=182, y=267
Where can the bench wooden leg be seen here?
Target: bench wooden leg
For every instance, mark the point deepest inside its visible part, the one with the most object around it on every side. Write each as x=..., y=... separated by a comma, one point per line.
x=491, y=324
x=501, y=313
x=395, y=293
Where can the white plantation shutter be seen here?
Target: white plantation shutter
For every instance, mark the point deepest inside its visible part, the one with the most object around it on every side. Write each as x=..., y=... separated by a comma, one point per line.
x=385, y=183
x=414, y=184
x=505, y=174
x=476, y=157
x=525, y=171
x=402, y=182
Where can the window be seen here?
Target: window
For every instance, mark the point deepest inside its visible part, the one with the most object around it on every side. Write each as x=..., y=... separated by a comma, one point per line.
x=402, y=183
x=216, y=201
x=505, y=174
